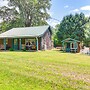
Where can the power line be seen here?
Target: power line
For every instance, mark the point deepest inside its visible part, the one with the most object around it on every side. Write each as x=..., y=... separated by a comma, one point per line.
x=55, y=19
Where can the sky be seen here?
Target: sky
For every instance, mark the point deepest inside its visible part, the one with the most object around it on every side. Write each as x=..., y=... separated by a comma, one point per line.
x=61, y=8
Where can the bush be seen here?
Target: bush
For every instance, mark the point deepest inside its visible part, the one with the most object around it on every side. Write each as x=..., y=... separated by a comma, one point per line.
x=24, y=49
x=11, y=49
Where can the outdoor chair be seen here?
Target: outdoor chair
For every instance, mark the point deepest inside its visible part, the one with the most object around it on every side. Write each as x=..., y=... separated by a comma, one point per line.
x=1, y=47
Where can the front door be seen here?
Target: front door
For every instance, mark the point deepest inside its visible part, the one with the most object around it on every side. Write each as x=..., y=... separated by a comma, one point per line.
x=68, y=47
x=15, y=44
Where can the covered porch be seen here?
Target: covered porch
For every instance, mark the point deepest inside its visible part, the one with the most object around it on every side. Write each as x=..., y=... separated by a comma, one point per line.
x=20, y=43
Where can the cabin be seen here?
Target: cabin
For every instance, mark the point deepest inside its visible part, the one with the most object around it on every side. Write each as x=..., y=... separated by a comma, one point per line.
x=29, y=38
x=71, y=45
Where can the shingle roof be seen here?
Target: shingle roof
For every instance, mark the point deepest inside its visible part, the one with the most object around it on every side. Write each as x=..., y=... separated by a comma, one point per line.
x=25, y=32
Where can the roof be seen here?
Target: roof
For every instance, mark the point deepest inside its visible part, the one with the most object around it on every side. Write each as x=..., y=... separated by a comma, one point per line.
x=37, y=31
x=70, y=40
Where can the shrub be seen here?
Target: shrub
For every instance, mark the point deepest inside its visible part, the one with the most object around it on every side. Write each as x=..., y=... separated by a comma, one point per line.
x=24, y=49
x=11, y=49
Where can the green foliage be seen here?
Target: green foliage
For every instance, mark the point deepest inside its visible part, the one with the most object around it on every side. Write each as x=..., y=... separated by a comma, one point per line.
x=55, y=38
x=11, y=49
x=24, y=49
x=4, y=26
x=10, y=17
x=8, y=14
x=73, y=26
x=11, y=24
x=87, y=34
x=24, y=13
x=32, y=12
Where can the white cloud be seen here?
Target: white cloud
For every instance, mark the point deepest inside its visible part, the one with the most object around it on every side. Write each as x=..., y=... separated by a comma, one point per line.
x=66, y=6
x=86, y=8
x=87, y=14
x=75, y=10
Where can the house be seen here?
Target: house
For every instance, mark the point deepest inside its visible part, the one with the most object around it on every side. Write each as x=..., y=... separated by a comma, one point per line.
x=33, y=38
x=71, y=45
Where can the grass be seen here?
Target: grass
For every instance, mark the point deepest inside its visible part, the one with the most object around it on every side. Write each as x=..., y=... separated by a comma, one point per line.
x=44, y=70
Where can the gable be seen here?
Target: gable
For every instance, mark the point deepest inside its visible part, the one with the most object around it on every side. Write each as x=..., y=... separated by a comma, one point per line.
x=70, y=40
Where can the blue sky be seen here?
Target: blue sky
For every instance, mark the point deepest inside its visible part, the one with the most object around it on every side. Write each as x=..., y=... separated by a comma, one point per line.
x=61, y=8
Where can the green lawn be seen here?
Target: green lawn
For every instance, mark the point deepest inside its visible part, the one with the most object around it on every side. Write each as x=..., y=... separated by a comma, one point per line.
x=44, y=70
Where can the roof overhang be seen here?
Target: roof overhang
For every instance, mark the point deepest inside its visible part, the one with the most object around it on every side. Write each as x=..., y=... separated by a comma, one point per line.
x=70, y=40
x=14, y=33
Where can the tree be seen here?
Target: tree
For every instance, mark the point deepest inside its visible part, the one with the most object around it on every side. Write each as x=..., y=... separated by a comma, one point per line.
x=24, y=13
x=87, y=34
x=73, y=26
x=55, y=39
x=32, y=12
x=11, y=24
x=10, y=18
x=7, y=14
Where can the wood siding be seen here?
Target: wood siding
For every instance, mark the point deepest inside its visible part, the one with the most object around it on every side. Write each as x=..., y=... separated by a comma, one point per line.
x=1, y=41
x=39, y=43
x=46, y=41
x=10, y=43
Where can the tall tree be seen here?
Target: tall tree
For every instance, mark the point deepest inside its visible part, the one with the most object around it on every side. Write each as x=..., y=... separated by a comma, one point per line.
x=32, y=12
x=73, y=26
x=24, y=13
x=87, y=34
x=10, y=24
x=55, y=39
x=7, y=14
x=10, y=18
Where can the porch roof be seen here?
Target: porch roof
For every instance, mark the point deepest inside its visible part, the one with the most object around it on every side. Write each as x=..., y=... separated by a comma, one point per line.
x=70, y=40
x=37, y=31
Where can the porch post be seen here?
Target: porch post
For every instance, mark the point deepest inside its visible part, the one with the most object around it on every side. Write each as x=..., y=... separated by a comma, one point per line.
x=4, y=43
x=75, y=47
x=16, y=46
x=13, y=43
x=63, y=46
x=37, y=43
x=20, y=43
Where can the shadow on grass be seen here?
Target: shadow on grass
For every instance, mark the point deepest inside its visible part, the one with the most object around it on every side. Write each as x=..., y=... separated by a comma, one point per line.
x=18, y=51
x=61, y=51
